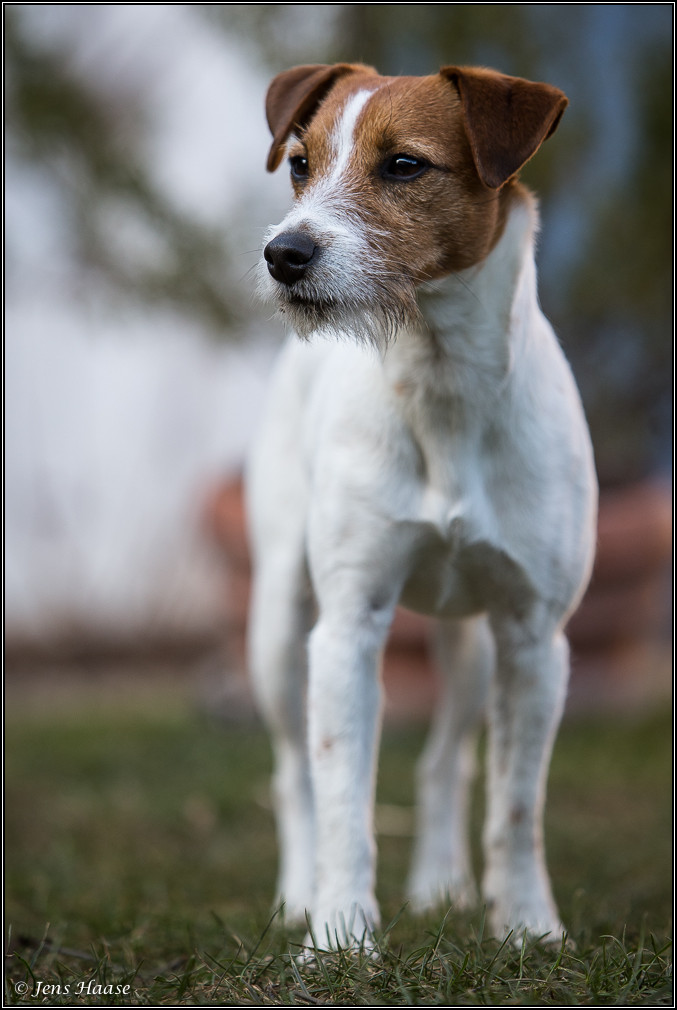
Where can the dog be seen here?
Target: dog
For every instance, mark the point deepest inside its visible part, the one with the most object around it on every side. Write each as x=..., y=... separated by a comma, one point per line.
x=424, y=444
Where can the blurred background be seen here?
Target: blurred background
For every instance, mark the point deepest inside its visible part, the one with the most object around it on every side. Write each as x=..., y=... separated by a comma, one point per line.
x=137, y=354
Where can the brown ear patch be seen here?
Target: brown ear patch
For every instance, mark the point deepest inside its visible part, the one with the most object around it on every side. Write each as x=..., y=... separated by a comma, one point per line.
x=506, y=119
x=293, y=97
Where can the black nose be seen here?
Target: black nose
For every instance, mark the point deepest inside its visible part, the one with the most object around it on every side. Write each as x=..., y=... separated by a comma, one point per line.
x=289, y=255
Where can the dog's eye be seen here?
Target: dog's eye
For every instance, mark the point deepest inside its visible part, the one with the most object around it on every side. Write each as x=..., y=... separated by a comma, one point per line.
x=299, y=168
x=404, y=166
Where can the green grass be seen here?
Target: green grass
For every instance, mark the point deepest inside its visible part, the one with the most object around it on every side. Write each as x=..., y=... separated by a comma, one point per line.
x=140, y=852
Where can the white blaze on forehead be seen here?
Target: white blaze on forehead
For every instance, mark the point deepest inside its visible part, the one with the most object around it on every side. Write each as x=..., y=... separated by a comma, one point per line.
x=316, y=208
x=343, y=137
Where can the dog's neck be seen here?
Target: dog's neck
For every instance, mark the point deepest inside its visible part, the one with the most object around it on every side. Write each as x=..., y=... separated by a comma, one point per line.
x=450, y=372
x=470, y=321
x=462, y=309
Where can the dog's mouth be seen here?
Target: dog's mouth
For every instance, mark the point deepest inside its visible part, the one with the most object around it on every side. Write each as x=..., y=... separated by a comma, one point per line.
x=372, y=314
x=309, y=312
x=310, y=304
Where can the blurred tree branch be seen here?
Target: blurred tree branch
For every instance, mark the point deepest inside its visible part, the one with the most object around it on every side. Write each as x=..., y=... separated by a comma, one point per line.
x=87, y=145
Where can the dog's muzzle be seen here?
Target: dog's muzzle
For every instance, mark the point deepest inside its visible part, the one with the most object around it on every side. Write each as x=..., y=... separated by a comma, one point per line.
x=289, y=255
x=338, y=287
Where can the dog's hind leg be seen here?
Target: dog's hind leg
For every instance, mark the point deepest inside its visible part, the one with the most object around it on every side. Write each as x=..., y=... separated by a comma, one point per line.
x=525, y=708
x=441, y=868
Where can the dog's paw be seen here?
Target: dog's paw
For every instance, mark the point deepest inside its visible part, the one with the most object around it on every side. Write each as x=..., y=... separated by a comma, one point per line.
x=294, y=898
x=294, y=907
x=334, y=930
x=312, y=950
x=428, y=892
x=539, y=922
x=549, y=934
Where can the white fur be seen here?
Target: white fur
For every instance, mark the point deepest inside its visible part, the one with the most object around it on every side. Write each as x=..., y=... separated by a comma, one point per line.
x=453, y=475
x=343, y=137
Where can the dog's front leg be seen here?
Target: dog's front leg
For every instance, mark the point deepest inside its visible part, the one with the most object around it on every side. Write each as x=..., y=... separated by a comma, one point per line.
x=344, y=713
x=525, y=708
x=279, y=621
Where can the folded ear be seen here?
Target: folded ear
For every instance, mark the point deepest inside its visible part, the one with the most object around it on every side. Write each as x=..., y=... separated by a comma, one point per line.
x=506, y=119
x=293, y=97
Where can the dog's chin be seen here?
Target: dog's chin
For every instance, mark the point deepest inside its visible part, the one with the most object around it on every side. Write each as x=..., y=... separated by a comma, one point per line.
x=307, y=315
x=370, y=323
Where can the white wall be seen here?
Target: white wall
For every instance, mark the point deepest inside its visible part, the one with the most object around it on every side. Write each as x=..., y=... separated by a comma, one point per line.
x=119, y=418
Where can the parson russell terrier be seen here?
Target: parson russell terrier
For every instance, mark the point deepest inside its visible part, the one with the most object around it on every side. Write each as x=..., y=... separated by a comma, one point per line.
x=424, y=445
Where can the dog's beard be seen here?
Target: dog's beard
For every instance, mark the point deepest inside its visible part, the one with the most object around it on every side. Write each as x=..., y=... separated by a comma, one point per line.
x=372, y=315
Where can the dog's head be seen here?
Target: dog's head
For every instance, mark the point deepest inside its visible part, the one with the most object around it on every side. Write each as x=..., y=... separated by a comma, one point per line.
x=397, y=181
